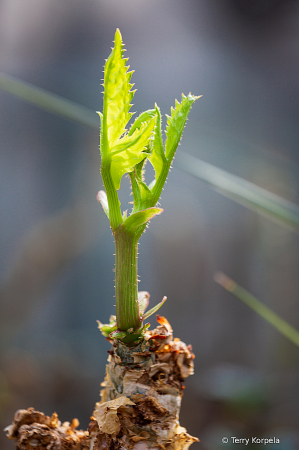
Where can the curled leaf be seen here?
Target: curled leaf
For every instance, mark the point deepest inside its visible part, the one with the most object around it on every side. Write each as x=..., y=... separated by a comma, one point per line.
x=154, y=309
x=129, y=151
x=140, y=218
x=157, y=156
x=146, y=116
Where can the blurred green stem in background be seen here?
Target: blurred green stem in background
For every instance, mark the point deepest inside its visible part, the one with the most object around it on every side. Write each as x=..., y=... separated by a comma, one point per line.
x=266, y=313
x=49, y=101
x=242, y=191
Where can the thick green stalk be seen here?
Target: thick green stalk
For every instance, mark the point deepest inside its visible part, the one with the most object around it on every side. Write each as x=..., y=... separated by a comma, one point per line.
x=126, y=290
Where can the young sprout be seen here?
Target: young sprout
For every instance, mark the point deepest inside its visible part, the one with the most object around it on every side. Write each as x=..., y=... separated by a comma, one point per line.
x=123, y=152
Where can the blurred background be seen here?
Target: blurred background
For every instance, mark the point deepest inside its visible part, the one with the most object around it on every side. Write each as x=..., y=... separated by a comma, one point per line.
x=56, y=255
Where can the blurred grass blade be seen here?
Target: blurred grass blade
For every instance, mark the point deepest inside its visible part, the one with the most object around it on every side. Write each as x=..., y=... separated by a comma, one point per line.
x=48, y=101
x=266, y=313
x=242, y=191
x=234, y=187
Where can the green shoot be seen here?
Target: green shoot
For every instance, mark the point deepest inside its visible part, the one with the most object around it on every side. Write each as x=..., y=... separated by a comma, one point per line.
x=126, y=152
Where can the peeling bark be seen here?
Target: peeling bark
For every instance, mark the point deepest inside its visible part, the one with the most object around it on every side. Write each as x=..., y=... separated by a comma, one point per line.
x=142, y=393
x=33, y=430
x=139, y=408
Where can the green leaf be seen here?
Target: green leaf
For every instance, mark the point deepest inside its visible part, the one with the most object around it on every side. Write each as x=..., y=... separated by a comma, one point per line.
x=130, y=150
x=154, y=309
x=162, y=160
x=176, y=123
x=118, y=334
x=142, y=194
x=145, y=194
x=266, y=313
x=130, y=337
x=157, y=156
x=146, y=116
x=106, y=329
x=140, y=217
x=117, y=93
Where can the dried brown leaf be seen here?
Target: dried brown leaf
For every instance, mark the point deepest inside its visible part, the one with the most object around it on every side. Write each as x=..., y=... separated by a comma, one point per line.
x=106, y=414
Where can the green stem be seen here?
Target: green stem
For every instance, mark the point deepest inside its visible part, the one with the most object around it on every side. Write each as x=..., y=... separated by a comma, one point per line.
x=157, y=189
x=115, y=216
x=136, y=193
x=126, y=290
x=266, y=313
